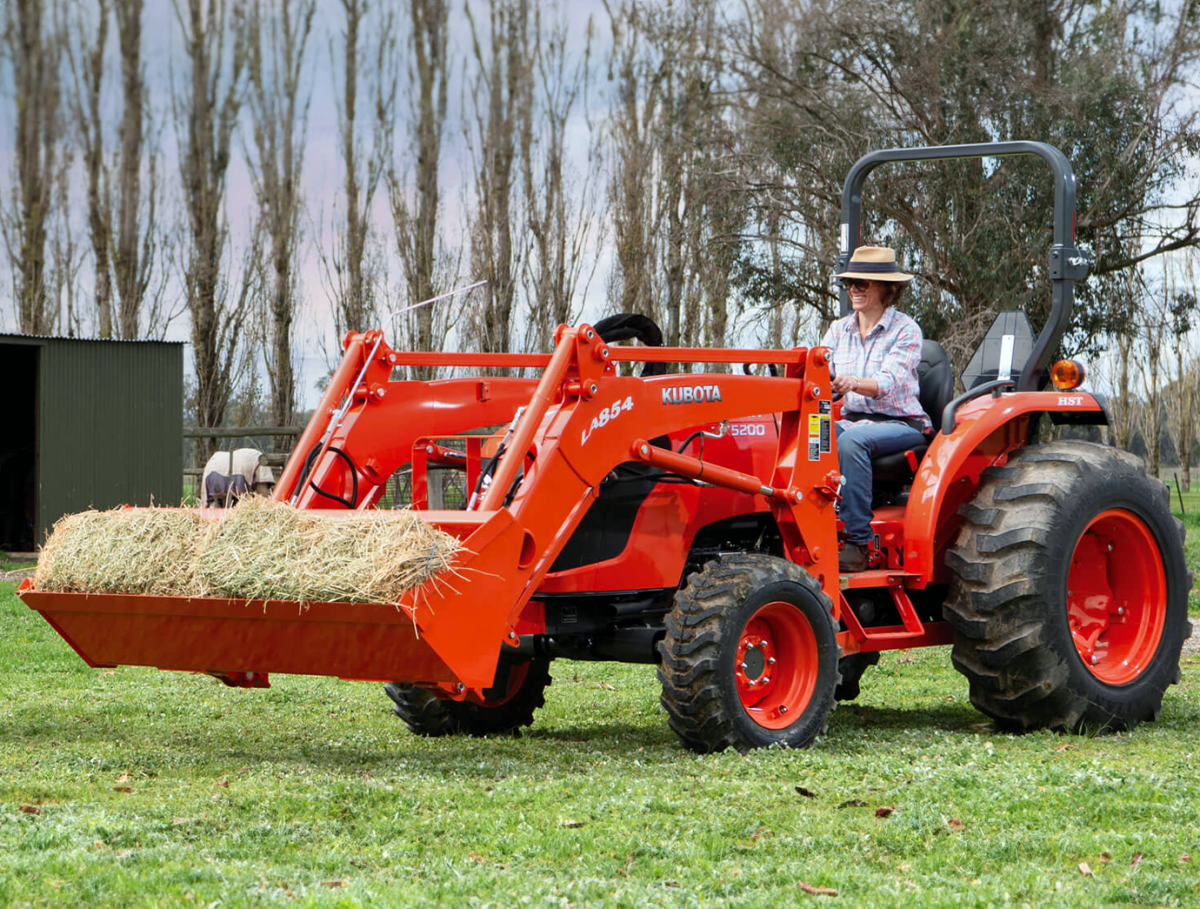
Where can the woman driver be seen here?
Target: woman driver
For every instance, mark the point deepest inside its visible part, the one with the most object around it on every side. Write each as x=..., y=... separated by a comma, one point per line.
x=875, y=352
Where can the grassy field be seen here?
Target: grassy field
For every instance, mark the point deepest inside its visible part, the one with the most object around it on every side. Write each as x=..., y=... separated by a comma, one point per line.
x=134, y=787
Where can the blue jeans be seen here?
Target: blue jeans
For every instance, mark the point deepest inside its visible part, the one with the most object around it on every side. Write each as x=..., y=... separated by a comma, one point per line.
x=857, y=444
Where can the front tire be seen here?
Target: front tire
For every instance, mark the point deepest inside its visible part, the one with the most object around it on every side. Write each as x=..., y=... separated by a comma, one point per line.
x=509, y=705
x=750, y=656
x=1069, y=603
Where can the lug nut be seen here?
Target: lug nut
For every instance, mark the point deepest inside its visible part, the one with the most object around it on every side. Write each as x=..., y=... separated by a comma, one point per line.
x=749, y=645
x=743, y=666
x=770, y=661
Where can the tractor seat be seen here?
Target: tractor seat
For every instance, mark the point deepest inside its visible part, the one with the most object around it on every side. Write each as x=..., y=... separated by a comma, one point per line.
x=935, y=389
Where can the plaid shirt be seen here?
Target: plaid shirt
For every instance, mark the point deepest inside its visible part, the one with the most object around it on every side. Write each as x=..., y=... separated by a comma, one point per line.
x=889, y=355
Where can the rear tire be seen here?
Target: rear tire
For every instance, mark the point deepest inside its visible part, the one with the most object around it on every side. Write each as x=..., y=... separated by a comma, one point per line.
x=750, y=656
x=504, y=711
x=1069, y=601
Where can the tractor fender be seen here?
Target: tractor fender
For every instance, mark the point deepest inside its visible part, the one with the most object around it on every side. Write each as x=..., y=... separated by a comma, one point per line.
x=986, y=430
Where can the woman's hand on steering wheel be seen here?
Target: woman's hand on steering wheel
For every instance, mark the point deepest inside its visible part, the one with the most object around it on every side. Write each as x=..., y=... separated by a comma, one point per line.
x=833, y=384
x=843, y=384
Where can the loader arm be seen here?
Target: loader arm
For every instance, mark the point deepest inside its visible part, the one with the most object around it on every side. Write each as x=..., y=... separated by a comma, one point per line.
x=579, y=421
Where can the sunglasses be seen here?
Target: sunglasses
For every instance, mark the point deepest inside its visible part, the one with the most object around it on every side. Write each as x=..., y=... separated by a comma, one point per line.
x=855, y=284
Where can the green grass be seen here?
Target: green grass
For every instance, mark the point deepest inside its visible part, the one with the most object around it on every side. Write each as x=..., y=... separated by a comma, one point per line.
x=166, y=789
x=133, y=787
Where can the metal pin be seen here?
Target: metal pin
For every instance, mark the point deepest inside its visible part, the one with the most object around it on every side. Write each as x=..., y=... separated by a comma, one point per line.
x=782, y=709
x=1095, y=659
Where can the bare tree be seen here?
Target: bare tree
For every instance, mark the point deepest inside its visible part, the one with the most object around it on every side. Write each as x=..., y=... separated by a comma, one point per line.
x=677, y=196
x=140, y=251
x=127, y=244
x=500, y=88
x=365, y=151
x=632, y=148
x=416, y=210
x=206, y=111
x=88, y=73
x=1151, y=333
x=558, y=207
x=1182, y=394
x=279, y=117
x=33, y=42
x=66, y=257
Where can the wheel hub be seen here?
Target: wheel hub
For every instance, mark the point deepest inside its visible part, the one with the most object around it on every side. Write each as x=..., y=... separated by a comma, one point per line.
x=775, y=665
x=1116, y=596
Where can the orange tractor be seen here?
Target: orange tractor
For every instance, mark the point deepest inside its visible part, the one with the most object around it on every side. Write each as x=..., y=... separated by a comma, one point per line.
x=689, y=520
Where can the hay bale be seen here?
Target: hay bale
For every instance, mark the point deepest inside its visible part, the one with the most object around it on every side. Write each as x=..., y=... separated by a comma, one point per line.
x=269, y=550
x=259, y=550
x=126, y=550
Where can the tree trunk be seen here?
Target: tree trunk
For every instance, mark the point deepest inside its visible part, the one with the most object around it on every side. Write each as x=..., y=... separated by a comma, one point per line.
x=208, y=113
x=280, y=117
x=35, y=45
x=137, y=241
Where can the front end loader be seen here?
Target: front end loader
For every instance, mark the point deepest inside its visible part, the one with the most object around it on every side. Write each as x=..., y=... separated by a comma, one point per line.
x=689, y=520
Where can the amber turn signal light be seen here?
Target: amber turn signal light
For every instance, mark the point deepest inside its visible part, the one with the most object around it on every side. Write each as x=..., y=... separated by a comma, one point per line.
x=1067, y=374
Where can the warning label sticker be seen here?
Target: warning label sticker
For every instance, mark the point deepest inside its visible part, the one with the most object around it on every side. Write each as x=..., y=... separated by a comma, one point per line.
x=824, y=406
x=819, y=435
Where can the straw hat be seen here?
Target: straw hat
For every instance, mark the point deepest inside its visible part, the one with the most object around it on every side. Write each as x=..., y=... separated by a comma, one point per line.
x=874, y=263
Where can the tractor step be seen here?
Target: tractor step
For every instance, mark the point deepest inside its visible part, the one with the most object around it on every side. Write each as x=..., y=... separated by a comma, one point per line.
x=875, y=577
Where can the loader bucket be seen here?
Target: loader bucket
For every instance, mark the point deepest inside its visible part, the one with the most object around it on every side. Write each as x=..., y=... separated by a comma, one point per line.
x=450, y=630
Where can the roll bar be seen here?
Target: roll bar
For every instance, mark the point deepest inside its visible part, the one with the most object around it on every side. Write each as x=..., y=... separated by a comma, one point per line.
x=1067, y=263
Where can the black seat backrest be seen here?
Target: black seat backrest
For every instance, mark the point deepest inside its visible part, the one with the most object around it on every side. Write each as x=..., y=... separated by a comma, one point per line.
x=936, y=381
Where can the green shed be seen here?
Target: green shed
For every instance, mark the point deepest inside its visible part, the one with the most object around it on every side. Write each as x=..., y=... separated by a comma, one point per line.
x=87, y=424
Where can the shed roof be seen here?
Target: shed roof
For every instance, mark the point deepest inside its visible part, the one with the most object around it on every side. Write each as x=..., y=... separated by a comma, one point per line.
x=26, y=338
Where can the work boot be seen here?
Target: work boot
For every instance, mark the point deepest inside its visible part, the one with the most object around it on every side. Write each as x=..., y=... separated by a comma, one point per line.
x=852, y=558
